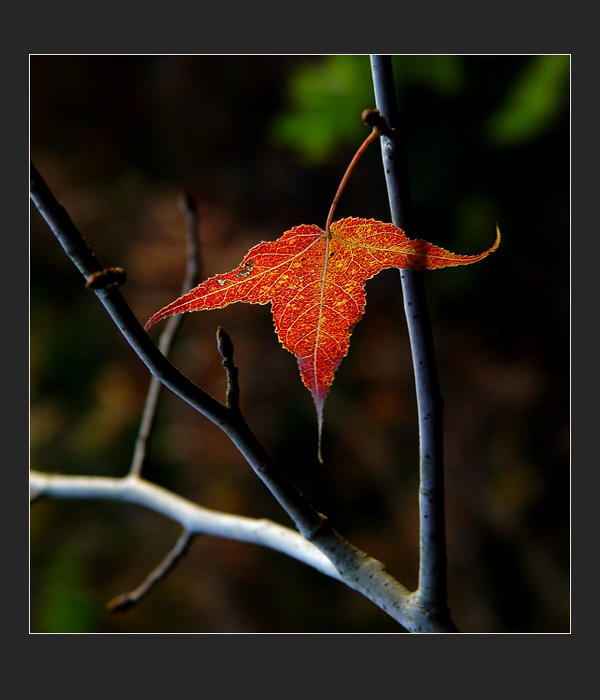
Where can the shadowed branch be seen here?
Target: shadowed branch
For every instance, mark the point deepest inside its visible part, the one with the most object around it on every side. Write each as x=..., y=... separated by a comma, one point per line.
x=125, y=601
x=192, y=274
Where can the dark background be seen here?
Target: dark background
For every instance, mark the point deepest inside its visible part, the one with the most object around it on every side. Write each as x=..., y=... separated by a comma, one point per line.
x=262, y=142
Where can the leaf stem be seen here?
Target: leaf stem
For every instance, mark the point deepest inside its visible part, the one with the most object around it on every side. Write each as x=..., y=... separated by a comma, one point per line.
x=375, y=133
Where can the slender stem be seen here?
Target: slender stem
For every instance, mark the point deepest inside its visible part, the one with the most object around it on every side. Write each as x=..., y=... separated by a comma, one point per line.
x=432, y=565
x=192, y=271
x=192, y=274
x=363, y=147
x=128, y=600
x=146, y=425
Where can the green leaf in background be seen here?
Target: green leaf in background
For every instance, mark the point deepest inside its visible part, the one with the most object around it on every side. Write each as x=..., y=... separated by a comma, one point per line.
x=444, y=75
x=325, y=101
x=67, y=602
x=534, y=102
x=327, y=95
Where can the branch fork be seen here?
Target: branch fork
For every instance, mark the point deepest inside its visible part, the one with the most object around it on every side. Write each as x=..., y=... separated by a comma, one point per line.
x=316, y=542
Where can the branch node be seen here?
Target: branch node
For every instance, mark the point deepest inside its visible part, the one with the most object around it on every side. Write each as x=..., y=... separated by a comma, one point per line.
x=317, y=529
x=109, y=277
x=374, y=118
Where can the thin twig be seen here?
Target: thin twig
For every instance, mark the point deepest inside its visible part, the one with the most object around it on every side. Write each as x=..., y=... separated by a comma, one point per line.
x=192, y=274
x=432, y=565
x=126, y=601
x=192, y=271
x=225, y=347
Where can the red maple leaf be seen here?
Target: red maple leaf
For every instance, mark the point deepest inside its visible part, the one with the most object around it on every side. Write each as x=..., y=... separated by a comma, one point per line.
x=316, y=285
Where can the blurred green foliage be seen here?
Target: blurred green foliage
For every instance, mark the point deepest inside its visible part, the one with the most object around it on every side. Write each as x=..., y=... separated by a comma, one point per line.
x=324, y=98
x=66, y=600
x=533, y=102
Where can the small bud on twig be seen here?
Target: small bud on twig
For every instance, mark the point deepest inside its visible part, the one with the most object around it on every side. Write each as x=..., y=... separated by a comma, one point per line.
x=106, y=278
x=224, y=344
x=374, y=118
x=225, y=348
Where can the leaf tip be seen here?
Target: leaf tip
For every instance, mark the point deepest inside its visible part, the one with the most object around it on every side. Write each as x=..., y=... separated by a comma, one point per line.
x=497, y=242
x=152, y=320
x=319, y=402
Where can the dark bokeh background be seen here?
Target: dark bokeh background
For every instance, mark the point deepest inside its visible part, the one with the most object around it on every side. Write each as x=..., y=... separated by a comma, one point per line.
x=262, y=142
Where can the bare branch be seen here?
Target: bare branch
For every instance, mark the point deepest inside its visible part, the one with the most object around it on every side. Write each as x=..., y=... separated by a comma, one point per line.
x=126, y=601
x=330, y=554
x=191, y=277
x=192, y=517
x=193, y=270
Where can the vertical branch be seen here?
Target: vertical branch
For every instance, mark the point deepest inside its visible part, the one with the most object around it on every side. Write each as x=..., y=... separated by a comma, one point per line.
x=190, y=280
x=432, y=565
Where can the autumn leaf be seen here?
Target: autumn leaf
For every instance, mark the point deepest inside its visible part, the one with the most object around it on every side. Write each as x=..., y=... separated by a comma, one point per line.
x=315, y=284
